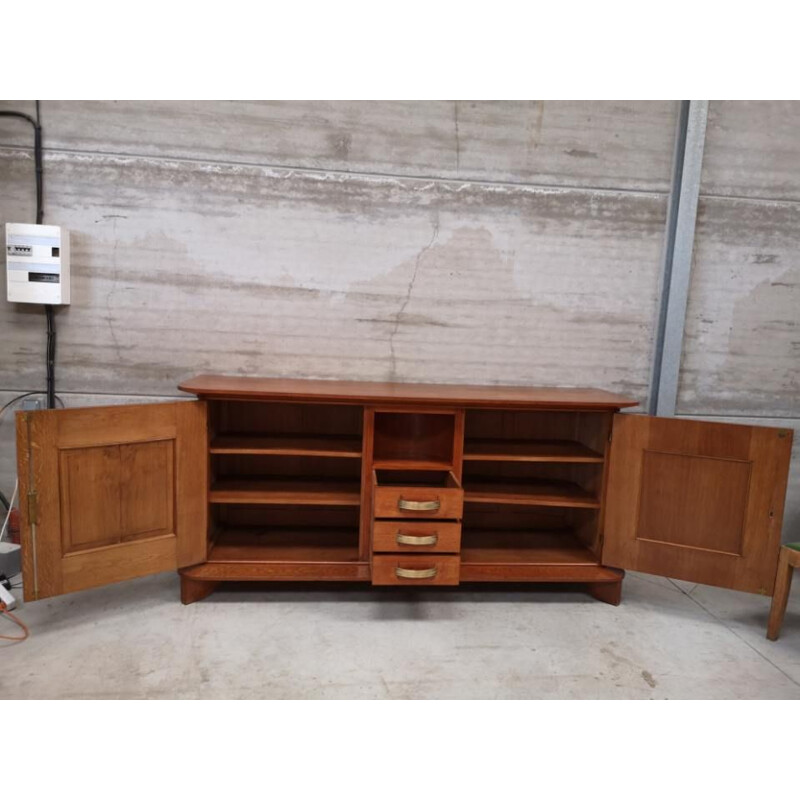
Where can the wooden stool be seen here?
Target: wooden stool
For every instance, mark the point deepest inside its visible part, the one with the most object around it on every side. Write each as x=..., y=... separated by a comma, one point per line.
x=789, y=559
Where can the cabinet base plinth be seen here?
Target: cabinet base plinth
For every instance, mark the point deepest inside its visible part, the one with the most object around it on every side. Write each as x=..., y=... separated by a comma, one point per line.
x=192, y=590
x=198, y=582
x=609, y=592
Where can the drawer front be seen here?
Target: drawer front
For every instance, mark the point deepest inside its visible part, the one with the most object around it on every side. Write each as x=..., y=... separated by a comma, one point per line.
x=399, y=536
x=418, y=502
x=415, y=570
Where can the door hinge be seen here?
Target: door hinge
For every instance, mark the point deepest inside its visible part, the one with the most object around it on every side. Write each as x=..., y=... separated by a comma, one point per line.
x=33, y=508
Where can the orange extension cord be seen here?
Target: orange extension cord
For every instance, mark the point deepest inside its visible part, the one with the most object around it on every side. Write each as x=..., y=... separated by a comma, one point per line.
x=25, y=631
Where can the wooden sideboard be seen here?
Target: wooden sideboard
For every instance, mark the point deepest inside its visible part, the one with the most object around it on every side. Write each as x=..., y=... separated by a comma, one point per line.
x=402, y=485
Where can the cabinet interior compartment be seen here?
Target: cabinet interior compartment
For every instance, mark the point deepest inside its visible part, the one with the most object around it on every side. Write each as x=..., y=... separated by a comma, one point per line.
x=500, y=534
x=242, y=427
x=418, y=440
x=533, y=483
x=284, y=533
x=284, y=482
x=538, y=436
x=439, y=479
x=533, y=486
x=285, y=453
x=305, y=480
x=551, y=458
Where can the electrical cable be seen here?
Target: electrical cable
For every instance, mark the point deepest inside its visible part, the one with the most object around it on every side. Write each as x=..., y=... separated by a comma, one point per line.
x=14, y=400
x=25, y=631
x=23, y=396
x=8, y=513
x=37, y=156
x=48, y=309
x=50, y=358
x=39, y=162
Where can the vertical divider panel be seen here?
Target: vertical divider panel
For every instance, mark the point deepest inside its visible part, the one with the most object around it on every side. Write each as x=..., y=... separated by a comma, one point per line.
x=365, y=526
x=213, y=428
x=458, y=445
x=601, y=512
x=594, y=431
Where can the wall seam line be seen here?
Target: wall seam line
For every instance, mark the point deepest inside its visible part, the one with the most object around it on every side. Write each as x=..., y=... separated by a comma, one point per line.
x=656, y=193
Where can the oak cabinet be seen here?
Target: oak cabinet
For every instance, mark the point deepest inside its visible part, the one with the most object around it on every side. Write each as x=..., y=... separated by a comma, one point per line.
x=394, y=484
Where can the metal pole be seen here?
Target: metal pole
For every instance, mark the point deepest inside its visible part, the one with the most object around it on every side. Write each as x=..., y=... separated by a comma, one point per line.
x=677, y=256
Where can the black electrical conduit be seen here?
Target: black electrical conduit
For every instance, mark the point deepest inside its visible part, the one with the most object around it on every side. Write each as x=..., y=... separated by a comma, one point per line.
x=48, y=309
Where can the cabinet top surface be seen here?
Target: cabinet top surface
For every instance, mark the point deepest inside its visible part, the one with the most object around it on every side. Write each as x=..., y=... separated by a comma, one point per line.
x=223, y=387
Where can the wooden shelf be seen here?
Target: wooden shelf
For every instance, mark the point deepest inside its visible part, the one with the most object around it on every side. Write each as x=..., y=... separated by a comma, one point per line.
x=325, y=446
x=534, y=492
x=411, y=464
x=270, y=491
x=524, y=547
x=286, y=545
x=556, y=450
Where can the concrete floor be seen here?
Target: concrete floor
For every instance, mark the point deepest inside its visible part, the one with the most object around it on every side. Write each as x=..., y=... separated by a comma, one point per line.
x=666, y=640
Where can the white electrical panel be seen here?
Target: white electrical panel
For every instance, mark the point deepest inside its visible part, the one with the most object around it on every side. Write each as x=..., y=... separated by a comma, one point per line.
x=37, y=264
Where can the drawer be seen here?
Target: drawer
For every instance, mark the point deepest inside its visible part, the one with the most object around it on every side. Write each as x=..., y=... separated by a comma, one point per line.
x=420, y=495
x=415, y=570
x=400, y=536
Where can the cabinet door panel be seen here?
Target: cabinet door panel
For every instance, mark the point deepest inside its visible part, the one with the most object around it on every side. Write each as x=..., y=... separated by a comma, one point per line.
x=697, y=501
x=113, y=493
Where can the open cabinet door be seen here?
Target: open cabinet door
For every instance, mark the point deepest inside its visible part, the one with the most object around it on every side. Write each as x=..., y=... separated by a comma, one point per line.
x=110, y=493
x=697, y=501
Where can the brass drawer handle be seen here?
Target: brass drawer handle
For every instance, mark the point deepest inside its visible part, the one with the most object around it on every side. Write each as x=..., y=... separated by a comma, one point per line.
x=418, y=505
x=416, y=574
x=417, y=541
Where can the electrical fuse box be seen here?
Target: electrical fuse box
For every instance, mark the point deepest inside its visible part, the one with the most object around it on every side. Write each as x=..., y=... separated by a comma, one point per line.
x=37, y=264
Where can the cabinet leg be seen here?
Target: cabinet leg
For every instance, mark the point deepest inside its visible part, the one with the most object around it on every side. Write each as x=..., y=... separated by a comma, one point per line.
x=783, y=583
x=609, y=592
x=192, y=590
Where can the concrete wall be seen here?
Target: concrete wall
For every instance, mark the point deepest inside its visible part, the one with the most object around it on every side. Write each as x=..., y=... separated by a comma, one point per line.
x=741, y=358
x=483, y=242
x=488, y=242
